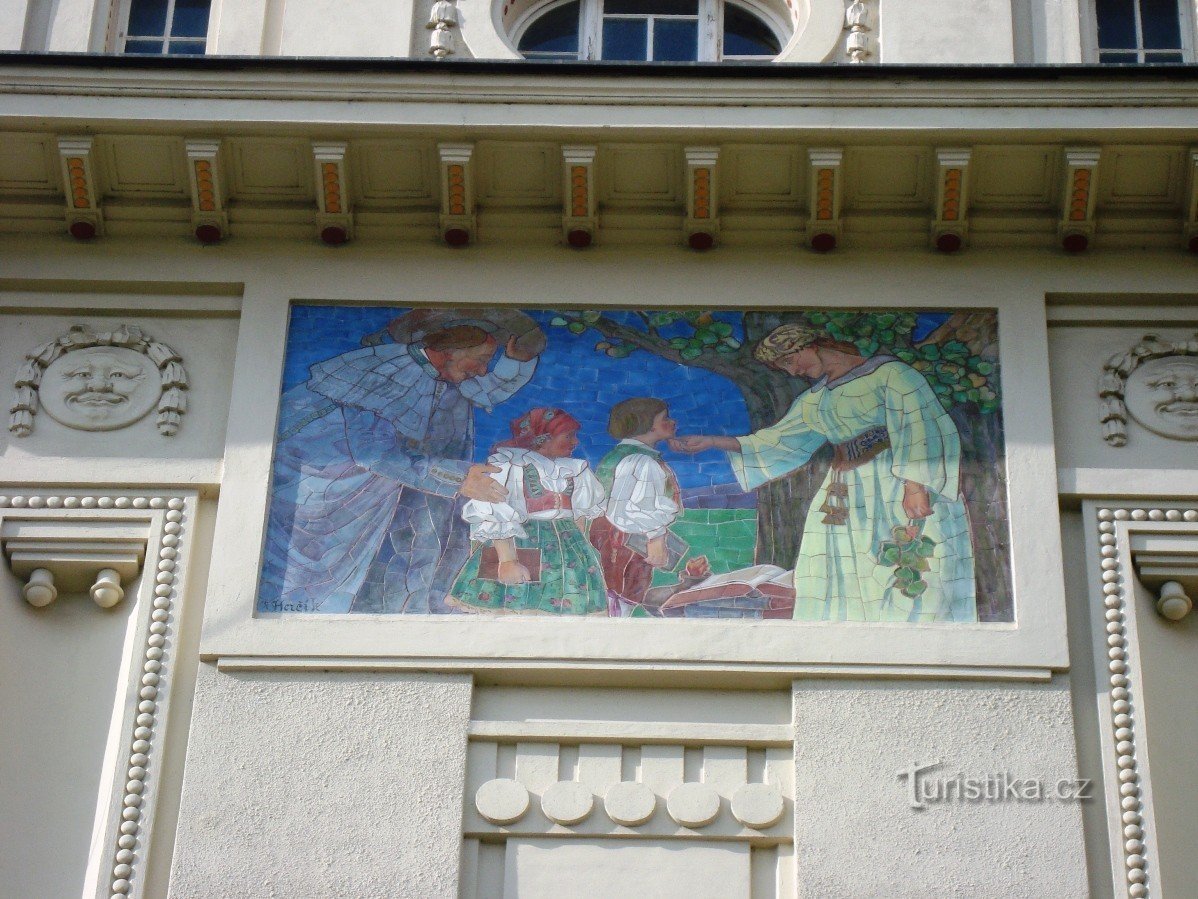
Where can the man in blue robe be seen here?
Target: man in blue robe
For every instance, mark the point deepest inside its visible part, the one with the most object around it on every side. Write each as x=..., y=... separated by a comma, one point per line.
x=372, y=466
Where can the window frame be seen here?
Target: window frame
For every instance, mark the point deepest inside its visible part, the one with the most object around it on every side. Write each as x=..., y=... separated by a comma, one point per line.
x=119, y=29
x=1187, y=23
x=710, y=31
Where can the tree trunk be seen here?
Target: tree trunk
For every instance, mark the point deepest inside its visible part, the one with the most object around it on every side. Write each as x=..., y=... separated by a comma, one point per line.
x=782, y=504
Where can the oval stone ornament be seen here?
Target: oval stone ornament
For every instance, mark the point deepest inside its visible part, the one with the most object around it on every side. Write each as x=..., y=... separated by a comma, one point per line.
x=758, y=805
x=567, y=802
x=502, y=801
x=693, y=804
x=629, y=803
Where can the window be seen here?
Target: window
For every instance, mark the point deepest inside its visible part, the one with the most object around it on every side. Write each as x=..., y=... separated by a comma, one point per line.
x=166, y=26
x=649, y=31
x=1140, y=31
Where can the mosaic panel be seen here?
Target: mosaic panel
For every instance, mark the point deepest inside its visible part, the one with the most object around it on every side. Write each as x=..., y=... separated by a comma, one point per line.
x=812, y=465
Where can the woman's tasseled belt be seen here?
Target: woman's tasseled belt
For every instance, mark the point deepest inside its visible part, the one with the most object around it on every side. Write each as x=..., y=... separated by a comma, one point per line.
x=846, y=456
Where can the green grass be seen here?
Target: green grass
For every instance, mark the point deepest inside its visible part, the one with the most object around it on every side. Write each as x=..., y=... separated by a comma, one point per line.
x=728, y=537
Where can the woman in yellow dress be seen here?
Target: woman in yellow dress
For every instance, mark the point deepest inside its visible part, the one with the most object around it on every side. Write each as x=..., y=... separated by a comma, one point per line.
x=887, y=537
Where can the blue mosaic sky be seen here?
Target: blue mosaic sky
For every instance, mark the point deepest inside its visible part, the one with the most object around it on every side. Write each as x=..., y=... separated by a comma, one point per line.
x=571, y=375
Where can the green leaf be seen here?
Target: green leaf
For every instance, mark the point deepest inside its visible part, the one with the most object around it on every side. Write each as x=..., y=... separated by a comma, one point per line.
x=679, y=342
x=906, y=575
x=691, y=352
x=576, y=327
x=725, y=348
x=984, y=368
x=590, y=317
x=723, y=329
x=817, y=318
x=707, y=336
x=557, y=321
x=916, y=589
x=930, y=352
x=889, y=554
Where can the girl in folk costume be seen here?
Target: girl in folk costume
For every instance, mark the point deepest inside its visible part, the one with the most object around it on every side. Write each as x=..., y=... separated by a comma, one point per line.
x=643, y=500
x=534, y=559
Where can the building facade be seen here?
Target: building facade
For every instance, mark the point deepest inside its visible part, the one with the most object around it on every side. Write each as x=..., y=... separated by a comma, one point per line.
x=836, y=365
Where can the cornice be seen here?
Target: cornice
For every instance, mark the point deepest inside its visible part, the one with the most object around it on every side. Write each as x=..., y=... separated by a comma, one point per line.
x=458, y=84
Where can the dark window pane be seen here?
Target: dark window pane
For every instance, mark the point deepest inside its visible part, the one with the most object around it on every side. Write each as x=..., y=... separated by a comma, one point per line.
x=676, y=40
x=651, y=7
x=625, y=39
x=147, y=18
x=556, y=31
x=1162, y=57
x=186, y=48
x=1160, y=25
x=1116, y=24
x=191, y=18
x=1117, y=57
x=143, y=46
x=747, y=35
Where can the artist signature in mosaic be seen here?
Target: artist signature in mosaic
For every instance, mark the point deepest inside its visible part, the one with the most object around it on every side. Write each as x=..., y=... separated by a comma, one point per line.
x=661, y=464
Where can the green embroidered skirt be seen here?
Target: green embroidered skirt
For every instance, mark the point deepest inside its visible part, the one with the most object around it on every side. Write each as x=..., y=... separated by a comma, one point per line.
x=571, y=581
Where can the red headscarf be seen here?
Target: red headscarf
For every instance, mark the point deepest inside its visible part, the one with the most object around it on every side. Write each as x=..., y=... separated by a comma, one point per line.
x=534, y=429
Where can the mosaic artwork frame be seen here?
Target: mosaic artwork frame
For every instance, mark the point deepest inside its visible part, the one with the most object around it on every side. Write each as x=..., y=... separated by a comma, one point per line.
x=375, y=440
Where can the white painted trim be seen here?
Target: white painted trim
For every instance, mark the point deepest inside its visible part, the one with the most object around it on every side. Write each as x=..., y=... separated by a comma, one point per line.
x=818, y=33
x=1114, y=623
x=753, y=735
x=127, y=801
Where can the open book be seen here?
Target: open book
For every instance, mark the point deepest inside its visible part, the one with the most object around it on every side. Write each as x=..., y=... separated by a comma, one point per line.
x=764, y=581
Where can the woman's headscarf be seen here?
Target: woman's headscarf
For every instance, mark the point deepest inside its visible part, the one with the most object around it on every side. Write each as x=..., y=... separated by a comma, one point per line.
x=782, y=341
x=537, y=427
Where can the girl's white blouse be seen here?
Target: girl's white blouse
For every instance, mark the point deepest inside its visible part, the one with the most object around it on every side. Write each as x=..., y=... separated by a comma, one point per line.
x=495, y=521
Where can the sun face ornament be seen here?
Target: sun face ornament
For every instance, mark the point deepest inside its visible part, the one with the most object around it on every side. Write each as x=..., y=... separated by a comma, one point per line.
x=1155, y=384
x=100, y=381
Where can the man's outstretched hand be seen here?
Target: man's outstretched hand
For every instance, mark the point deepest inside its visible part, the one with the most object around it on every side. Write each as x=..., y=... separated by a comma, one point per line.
x=479, y=485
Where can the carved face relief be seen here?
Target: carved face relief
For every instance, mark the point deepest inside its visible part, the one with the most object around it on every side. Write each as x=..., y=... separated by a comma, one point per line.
x=100, y=388
x=1162, y=395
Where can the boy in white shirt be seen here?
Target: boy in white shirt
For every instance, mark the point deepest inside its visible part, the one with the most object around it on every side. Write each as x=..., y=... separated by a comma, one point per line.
x=643, y=500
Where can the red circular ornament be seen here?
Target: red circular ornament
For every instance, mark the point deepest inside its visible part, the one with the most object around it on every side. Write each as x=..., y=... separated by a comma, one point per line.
x=82, y=230
x=823, y=242
x=701, y=240
x=334, y=235
x=457, y=237
x=948, y=242
x=208, y=234
x=1075, y=242
x=579, y=238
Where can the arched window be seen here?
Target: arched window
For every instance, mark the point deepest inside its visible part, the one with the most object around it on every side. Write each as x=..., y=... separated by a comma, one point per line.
x=650, y=31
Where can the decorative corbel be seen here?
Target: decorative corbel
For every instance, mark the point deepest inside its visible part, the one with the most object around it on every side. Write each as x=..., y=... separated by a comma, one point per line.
x=334, y=218
x=1167, y=564
x=856, y=22
x=823, y=224
x=1076, y=228
x=84, y=218
x=442, y=20
x=950, y=228
x=74, y=555
x=579, y=221
x=457, y=193
x=209, y=221
x=702, y=224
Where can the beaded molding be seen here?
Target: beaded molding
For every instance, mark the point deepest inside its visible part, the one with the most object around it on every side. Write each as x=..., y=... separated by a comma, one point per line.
x=134, y=804
x=1115, y=601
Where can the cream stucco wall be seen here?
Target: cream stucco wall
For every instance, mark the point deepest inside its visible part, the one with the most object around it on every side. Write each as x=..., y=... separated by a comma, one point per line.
x=333, y=753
